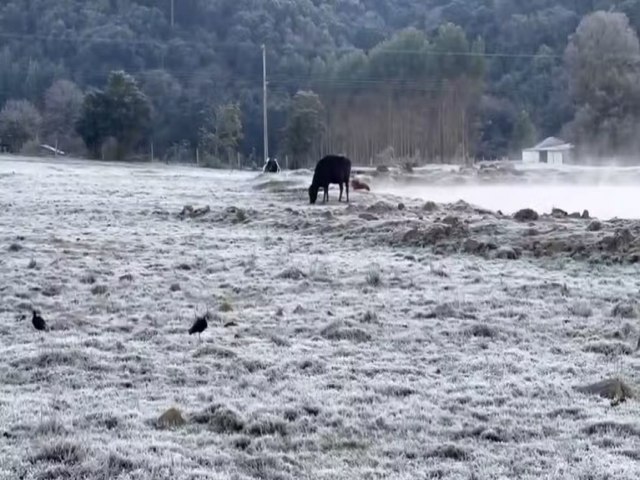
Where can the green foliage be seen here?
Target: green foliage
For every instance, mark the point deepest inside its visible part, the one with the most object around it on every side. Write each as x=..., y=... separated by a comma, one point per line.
x=121, y=111
x=222, y=133
x=211, y=56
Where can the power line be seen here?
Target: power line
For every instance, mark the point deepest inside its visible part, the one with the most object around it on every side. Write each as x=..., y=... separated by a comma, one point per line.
x=296, y=49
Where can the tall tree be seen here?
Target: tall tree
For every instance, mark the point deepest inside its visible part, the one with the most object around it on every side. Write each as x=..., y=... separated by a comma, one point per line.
x=222, y=133
x=602, y=59
x=305, y=126
x=62, y=108
x=121, y=111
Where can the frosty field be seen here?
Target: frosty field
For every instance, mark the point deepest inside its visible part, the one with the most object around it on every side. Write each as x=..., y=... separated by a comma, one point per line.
x=362, y=341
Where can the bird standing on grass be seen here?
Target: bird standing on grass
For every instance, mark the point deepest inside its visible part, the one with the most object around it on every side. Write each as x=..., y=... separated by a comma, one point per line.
x=38, y=321
x=200, y=325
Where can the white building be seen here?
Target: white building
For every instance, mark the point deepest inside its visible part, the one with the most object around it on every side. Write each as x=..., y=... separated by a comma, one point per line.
x=552, y=151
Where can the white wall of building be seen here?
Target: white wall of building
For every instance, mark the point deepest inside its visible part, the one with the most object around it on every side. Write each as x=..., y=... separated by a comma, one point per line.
x=555, y=158
x=530, y=156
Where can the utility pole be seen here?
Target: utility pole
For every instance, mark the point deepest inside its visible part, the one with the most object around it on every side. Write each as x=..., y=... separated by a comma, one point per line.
x=264, y=104
x=172, y=13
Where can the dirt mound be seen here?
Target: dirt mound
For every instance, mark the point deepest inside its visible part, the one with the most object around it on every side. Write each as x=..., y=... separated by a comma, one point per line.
x=526, y=215
x=172, y=418
x=435, y=234
x=613, y=389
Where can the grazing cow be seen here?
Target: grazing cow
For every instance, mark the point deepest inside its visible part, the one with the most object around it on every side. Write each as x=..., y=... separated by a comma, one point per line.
x=359, y=185
x=330, y=169
x=271, y=166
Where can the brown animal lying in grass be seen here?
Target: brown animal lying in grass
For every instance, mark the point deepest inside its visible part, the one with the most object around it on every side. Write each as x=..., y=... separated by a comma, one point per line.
x=359, y=185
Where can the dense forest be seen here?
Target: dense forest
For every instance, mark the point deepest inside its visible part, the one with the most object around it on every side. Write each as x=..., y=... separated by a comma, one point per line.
x=434, y=80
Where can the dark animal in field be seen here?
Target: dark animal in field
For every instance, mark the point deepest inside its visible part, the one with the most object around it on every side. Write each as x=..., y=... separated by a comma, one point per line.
x=271, y=166
x=38, y=322
x=200, y=325
x=359, y=185
x=330, y=169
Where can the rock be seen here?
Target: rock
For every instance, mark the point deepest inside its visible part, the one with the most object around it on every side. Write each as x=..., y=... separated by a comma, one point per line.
x=15, y=247
x=189, y=212
x=430, y=206
x=175, y=287
x=575, y=215
x=401, y=206
x=368, y=216
x=526, y=215
x=172, y=418
x=558, y=213
x=585, y=214
x=451, y=220
x=507, y=253
x=594, y=226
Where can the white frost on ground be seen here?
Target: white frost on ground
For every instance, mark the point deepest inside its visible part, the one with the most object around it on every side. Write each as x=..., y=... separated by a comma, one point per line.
x=349, y=358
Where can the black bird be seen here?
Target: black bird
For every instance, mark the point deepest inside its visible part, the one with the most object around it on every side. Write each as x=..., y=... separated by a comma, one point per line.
x=38, y=321
x=200, y=325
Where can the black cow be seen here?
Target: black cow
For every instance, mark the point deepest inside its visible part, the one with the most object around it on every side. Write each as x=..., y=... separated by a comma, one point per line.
x=330, y=169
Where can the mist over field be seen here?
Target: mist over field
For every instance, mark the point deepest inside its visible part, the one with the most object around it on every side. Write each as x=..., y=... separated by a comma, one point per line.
x=606, y=192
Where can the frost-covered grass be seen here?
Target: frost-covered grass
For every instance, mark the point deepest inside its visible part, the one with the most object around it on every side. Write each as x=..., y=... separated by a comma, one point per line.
x=330, y=354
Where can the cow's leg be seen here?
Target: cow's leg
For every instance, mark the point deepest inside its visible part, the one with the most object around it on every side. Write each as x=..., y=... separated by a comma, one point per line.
x=325, y=195
x=341, y=189
x=347, y=185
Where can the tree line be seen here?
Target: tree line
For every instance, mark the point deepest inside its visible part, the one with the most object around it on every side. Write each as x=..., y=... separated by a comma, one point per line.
x=434, y=80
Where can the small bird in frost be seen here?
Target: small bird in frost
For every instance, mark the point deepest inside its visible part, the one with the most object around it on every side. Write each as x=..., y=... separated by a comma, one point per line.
x=200, y=325
x=38, y=321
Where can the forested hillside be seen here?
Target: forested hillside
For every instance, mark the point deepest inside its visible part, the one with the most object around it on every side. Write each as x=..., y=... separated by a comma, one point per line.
x=435, y=79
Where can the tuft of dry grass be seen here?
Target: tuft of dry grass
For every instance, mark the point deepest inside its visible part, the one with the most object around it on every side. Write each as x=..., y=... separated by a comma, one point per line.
x=99, y=290
x=226, y=306
x=220, y=419
x=61, y=451
x=580, y=309
x=373, y=276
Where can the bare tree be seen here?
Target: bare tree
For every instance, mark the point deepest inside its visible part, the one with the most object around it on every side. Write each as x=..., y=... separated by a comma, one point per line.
x=20, y=122
x=602, y=60
x=62, y=108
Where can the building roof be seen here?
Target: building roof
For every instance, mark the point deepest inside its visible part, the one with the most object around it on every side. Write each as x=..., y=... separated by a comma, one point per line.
x=551, y=143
